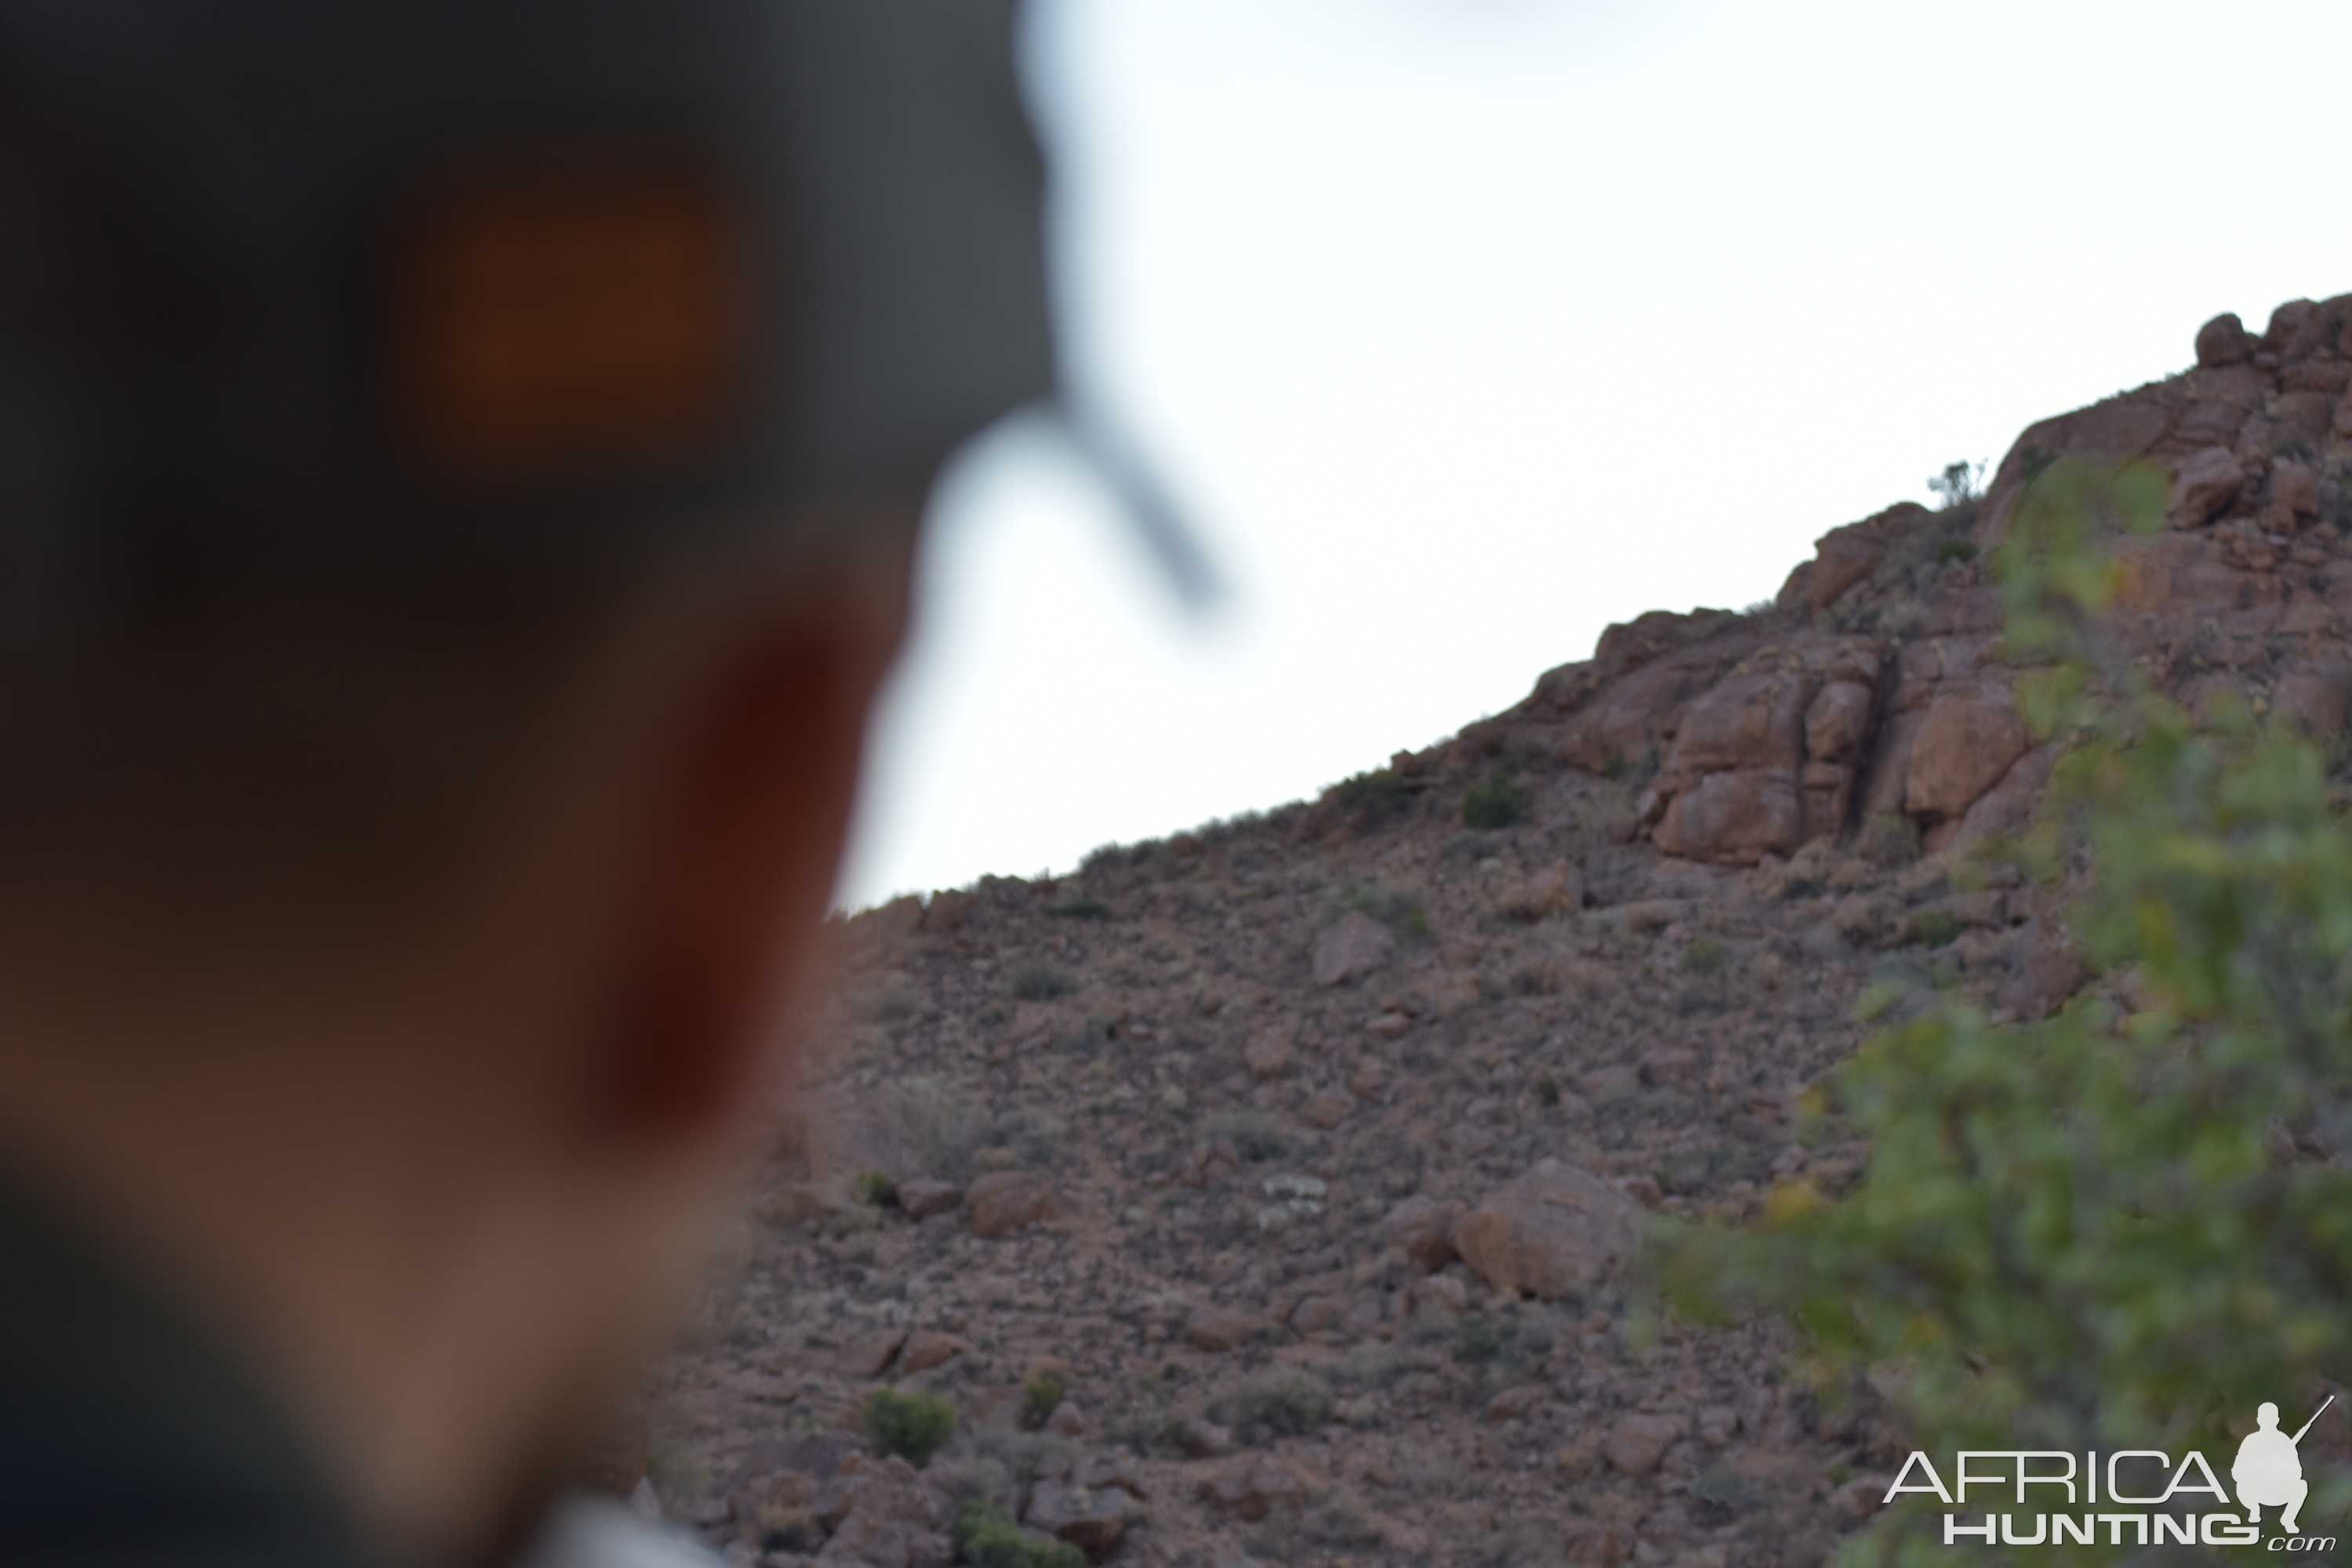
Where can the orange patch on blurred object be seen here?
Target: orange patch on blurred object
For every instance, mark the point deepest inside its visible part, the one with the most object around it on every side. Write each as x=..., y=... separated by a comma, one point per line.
x=548, y=320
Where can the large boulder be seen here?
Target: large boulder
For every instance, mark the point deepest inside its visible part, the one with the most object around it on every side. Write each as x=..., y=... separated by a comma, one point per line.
x=1351, y=947
x=2204, y=483
x=1746, y=721
x=922, y=1198
x=1969, y=739
x=1555, y=1231
x=1631, y=714
x=1220, y=1328
x=1845, y=556
x=2223, y=341
x=1733, y=818
x=2294, y=488
x=2110, y=433
x=1837, y=721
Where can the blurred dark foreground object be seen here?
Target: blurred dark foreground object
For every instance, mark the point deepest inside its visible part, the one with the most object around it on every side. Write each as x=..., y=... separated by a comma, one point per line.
x=482, y=274
x=457, y=464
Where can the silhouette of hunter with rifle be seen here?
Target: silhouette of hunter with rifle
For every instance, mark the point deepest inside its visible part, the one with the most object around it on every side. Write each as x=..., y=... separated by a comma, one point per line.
x=2269, y=1469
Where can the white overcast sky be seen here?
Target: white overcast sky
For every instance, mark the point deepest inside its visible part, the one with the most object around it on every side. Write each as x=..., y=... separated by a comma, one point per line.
x=1466, y=327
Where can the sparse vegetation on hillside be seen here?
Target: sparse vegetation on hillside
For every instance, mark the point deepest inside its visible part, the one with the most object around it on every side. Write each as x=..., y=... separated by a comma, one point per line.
x=913, y=1426
x=1372, y=798
x=986, y=1537
x=1038, y=980
x=1959, y=483
x=1494, y=802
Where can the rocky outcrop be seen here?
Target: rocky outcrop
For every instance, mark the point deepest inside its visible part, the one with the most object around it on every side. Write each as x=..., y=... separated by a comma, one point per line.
x=1872, y=692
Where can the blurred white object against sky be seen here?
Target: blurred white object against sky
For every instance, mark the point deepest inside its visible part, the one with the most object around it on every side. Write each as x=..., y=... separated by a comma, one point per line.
x=1462, y=328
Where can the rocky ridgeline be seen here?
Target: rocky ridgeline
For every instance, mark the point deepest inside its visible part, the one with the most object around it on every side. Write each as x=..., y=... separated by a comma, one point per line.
x=1267, y=1192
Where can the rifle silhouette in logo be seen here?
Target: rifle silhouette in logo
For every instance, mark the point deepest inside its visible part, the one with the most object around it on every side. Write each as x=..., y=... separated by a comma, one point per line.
x=2269, y=1468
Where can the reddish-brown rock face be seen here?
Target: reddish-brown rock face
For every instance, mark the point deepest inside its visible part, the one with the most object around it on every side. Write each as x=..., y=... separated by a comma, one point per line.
x=1873, y=694
x=1734, y=818
x=1969, y=739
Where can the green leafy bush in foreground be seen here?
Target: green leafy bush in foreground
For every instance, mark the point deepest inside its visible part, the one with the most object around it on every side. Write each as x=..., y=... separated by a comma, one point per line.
x=986, y=1536
x=914, y=1426
x=2125, y=1225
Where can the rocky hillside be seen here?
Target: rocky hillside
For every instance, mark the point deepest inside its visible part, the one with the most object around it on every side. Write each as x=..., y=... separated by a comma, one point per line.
x=1267, y=1192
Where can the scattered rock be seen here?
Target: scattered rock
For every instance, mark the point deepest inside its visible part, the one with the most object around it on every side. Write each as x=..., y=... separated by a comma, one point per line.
x=1514, y=1403
x=1255, y=1488
x=1327, y=1107
x=924, y=1351
x=1313, y=1314
x=1596, y=1543
x=1008, y=1200
x=1717, y=1425
x=2048, y=969
x=867, y=1357
x=1556, y=890
x=878, y=1513
x=1353, y=946
x=1444, y=1293
x=1091, y=1519
x=1117, y=1469
x=1556, y=1231
x=922, y=1197
x=1424, y=1227
x=1642, y=1188
x=1198, y=1437
x=1669, y=1065
x=1268, y=1053
x=1219, y=1329
x=1637, y=1443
